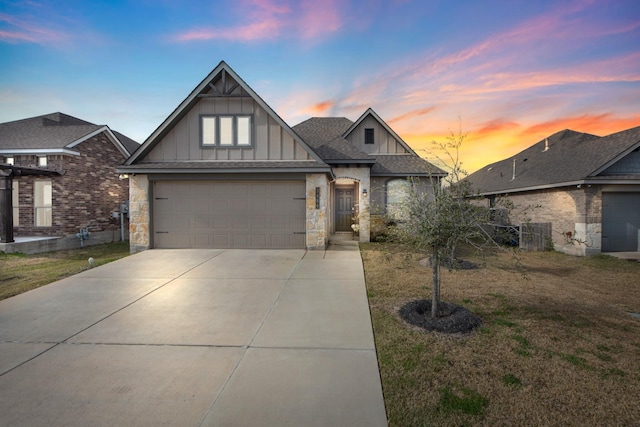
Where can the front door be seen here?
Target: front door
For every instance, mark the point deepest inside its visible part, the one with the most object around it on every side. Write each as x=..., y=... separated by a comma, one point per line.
x=344, y=208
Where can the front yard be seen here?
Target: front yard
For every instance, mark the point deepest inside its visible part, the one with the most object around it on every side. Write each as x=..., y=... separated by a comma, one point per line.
x=20, y=273
x=557, y=346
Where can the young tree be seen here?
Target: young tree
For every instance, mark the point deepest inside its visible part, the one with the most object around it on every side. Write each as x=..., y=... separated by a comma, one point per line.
x=437, y=223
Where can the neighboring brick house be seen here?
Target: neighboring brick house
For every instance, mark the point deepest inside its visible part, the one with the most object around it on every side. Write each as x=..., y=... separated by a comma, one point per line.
x=587, y=187
x=63, y=173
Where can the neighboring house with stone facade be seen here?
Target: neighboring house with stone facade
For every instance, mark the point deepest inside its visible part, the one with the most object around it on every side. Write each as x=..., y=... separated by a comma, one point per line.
x=59, y=176
x=225, y=171
x=587, y=187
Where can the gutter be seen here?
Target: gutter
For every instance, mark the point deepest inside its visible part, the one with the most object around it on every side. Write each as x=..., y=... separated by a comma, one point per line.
x=561, y=184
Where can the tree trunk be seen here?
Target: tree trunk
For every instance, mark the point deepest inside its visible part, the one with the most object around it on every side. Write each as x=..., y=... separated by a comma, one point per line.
x=435, y=298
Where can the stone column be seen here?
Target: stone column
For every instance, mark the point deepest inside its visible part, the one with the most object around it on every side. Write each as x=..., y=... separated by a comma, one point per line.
x=317, y=221
x=139, y=218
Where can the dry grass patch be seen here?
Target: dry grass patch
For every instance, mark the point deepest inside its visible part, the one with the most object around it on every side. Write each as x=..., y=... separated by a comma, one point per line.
x=20, y=273
x=556, y=348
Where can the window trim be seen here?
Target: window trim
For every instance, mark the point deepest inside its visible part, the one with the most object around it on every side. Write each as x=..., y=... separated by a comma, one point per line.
x=43, y=206
x=235, y=134
x=389, y=208
x=15, y=202
x=369, y=136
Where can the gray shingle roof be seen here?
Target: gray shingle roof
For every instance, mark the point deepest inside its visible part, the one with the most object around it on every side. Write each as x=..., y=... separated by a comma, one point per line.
x=403, y=164
x=128, y=143
x=325, y=136
x=571, y=157
x=50, y=131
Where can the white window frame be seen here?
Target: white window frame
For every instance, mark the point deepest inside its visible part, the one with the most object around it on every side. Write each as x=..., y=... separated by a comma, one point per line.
x=226, y=131
x=43, y=203
x=15, y=201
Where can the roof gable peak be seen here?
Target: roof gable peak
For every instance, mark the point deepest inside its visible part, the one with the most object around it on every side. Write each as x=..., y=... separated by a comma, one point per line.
x=371, y=113
x=222, y=82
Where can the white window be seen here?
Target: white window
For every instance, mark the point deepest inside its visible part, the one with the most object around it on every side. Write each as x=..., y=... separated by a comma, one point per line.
x=244, y=130
x=226, y=131
x=10, y=160
x=209, y=130
x=15, y=201
x=43, y=197
x=42, y=161
x=397, y=192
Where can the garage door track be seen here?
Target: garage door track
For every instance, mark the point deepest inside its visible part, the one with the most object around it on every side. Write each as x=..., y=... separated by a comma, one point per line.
x=195, y=337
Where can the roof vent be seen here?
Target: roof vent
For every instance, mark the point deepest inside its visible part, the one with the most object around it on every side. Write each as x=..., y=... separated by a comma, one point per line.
x=546, y=145
x=514, y=170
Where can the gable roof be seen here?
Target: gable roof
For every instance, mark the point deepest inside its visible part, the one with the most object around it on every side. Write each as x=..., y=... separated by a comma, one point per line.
x=327, y=137
x=219, y=72
x=564, y=158
x=375, y=116
x=55, y=133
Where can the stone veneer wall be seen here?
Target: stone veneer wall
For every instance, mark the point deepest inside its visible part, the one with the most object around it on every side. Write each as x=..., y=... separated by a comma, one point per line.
x=571, y=209
x=139, y=215
x=317, y=220
x=363, y=177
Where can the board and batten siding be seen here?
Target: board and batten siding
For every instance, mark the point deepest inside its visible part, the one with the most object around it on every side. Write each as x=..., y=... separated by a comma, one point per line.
x=269, y=140
x=384, y=142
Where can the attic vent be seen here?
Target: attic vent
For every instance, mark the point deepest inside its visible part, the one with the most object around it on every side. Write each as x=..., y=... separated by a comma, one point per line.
x=546, y=145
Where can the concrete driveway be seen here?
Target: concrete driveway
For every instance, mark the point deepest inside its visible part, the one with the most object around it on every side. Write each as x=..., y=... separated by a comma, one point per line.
x=195, y=337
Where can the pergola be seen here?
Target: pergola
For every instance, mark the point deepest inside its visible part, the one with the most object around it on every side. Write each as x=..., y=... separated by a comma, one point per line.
x=7, y=172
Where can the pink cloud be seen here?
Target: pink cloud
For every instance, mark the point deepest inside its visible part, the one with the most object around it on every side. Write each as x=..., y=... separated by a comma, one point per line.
x=319, y=109
x=25, y=31
x=412, y=114
x=271, y=19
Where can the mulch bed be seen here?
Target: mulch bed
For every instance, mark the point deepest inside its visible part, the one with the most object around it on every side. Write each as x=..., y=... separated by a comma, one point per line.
x=451, y=319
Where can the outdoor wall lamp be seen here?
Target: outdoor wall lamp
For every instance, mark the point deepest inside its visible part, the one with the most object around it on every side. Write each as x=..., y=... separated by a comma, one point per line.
x=365, y=192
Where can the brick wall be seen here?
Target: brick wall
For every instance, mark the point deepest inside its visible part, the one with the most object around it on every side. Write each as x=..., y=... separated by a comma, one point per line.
x=84, y=196
x=575, y=210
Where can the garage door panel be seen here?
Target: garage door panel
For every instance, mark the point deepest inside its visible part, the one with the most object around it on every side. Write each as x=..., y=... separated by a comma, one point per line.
x=229, y=214
x=202, y=222
x=202, y=240
x=620, y=222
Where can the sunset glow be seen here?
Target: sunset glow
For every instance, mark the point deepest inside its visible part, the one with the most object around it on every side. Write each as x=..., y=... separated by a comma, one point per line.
x=507, y=74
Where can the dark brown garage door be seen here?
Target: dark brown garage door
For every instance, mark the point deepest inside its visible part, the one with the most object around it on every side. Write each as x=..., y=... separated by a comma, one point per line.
x=229, y=214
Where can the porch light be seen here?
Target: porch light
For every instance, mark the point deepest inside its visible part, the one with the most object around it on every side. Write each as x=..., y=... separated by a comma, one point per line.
x=123, y=176
x=364, y=192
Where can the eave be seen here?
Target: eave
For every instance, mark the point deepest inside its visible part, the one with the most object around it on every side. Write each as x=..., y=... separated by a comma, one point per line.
x=37, y=151
x=587, y=181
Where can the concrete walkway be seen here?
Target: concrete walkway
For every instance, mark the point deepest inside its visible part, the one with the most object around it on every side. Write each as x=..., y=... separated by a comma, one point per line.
x=195, y=337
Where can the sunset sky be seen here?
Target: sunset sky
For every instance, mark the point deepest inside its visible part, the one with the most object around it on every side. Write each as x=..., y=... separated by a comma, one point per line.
x=508, y=73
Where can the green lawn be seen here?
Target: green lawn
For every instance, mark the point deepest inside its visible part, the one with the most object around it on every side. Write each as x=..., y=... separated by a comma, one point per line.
x=557, y=347
x=20, y=273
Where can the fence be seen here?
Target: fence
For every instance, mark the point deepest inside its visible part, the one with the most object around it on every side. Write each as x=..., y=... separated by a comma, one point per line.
x=536, y=237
